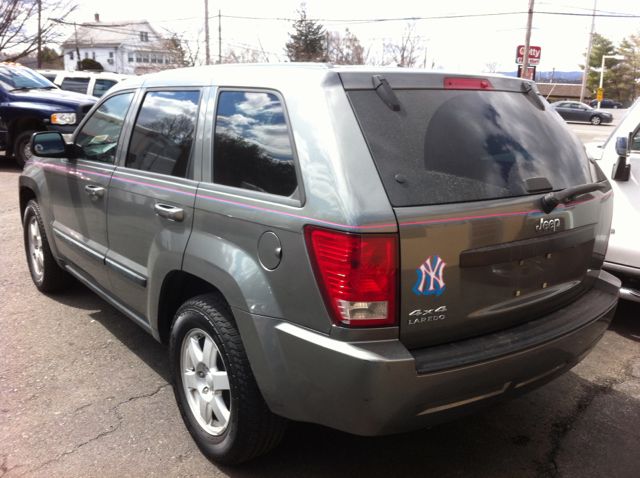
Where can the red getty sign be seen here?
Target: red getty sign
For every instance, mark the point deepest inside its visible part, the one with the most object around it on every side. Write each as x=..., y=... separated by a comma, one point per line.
x=534, y=55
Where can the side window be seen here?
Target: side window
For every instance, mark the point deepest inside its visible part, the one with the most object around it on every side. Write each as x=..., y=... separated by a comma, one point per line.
x=252, y=147
x=101, y=87
x=79, y=85
x=98, y=138
x=635, y=142
x=163, y=133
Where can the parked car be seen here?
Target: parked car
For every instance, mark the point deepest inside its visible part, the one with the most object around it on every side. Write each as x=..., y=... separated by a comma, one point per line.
x=51, y=75
x=29, y=102
x=87, y=82
x=606, y=103
x=408, y=253
x=619, y=158
x=580, y=112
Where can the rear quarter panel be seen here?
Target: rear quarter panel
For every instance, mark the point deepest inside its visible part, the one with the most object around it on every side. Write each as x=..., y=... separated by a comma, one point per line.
x=340, y=189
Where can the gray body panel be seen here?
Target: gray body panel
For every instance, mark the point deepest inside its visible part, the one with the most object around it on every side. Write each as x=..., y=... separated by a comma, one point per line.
x=365, y=381
x=80, y=219
x=516, y=274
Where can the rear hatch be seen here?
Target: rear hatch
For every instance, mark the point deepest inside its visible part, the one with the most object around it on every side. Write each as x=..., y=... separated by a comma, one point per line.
x=465, y=162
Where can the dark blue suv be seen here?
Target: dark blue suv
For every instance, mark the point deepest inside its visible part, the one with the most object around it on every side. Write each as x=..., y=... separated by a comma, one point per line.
x=29, y=103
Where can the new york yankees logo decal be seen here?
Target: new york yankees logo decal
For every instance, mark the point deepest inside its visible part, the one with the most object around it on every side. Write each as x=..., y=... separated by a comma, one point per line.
x=430, y=280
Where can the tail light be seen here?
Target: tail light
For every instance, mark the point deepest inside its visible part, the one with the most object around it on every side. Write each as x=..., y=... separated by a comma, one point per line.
x=357, y=274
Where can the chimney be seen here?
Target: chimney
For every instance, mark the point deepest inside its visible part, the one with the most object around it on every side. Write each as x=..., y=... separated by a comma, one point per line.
x=97, y=17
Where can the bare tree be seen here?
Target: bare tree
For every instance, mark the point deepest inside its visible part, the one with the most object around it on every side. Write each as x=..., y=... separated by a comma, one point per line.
x=185, y=52
x=19, y=29
x=406, y=52
x=345, y=49
x=243, y=54
x=491, y=67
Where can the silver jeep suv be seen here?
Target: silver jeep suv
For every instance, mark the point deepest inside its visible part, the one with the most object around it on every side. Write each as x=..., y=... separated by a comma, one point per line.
x=370, y=250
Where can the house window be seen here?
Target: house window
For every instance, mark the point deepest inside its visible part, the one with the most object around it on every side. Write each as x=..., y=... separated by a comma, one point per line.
x=130, y=57
x=86, y=55
x=110, y=54
x=93, y=55
x=145, y=58
x=144, y=36
x=70, y=55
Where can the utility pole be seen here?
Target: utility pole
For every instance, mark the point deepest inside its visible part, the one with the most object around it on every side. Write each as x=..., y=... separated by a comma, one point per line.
x=587, y=68
x=206, y=33
x=527, y=41
x=39, y=59
x=75, y=29
x=219, y=37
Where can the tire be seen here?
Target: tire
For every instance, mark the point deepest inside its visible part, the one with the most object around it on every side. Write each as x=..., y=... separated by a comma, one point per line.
x=204, y=347
x=596, y=120
x=46, y=274
x=21, y=151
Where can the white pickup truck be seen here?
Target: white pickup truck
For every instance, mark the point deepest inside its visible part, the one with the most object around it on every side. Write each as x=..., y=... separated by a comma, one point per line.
x=619, y=158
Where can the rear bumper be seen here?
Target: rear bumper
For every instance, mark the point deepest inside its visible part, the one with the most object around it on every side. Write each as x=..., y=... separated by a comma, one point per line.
x=630, y=277
x=375, y=388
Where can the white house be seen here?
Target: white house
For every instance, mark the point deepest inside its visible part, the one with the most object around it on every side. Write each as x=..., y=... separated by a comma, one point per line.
x=128, y=47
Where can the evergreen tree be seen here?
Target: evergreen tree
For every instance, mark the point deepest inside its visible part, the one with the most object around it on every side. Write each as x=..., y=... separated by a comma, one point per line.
x=308, y=40
x=599, y=47
x=628, y=70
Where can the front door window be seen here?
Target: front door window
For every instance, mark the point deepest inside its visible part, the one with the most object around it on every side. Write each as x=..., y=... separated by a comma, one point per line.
x=98, y=138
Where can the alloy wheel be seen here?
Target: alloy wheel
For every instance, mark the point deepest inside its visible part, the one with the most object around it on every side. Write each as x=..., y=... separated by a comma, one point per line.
x=205, y=381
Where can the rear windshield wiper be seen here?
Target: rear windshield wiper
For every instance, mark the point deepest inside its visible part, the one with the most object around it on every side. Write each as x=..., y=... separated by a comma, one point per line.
x=551, y=200
x=385, y=92
x=527, y=89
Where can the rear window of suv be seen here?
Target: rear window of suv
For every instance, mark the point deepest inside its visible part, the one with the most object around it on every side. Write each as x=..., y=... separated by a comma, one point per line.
x=447, y=146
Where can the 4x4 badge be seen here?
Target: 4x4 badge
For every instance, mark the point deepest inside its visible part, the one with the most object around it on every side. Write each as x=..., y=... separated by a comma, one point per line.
x=430, y=279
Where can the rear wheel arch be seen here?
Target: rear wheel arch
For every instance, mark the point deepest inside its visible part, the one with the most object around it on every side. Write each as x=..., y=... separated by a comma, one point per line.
x=178, y=287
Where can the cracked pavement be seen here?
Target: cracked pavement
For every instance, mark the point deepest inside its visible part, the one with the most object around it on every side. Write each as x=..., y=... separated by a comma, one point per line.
x=84, y=392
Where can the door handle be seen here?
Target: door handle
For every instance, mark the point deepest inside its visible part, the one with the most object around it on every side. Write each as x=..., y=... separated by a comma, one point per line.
x=169, y=212
x=94, y=191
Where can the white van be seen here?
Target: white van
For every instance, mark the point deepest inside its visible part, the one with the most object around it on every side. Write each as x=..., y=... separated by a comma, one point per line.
x=87, y=82
x=619, y=158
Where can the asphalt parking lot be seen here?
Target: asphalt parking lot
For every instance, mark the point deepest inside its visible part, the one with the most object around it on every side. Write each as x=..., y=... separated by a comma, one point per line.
x=85, y=392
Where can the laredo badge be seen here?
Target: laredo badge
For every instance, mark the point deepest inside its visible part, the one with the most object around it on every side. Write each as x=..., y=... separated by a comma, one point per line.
x=430, y=280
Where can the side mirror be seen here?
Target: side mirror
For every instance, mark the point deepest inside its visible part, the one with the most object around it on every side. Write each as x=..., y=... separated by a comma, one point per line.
x=622, y=146
x=51, y=144
x=621, y=170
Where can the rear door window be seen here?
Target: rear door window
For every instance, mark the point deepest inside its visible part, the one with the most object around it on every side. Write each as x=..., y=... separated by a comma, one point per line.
x=252, y=146
x=447, y=146
x=79, y=85
x=163, y=133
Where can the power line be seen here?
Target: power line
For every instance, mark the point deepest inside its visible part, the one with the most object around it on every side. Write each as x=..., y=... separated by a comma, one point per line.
x=436, y=17
x=599, y=13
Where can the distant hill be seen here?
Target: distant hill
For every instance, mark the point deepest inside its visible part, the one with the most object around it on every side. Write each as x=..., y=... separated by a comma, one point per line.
x=558, y=76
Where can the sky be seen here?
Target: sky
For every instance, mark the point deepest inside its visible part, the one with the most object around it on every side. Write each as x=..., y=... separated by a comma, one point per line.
x=453, y=44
